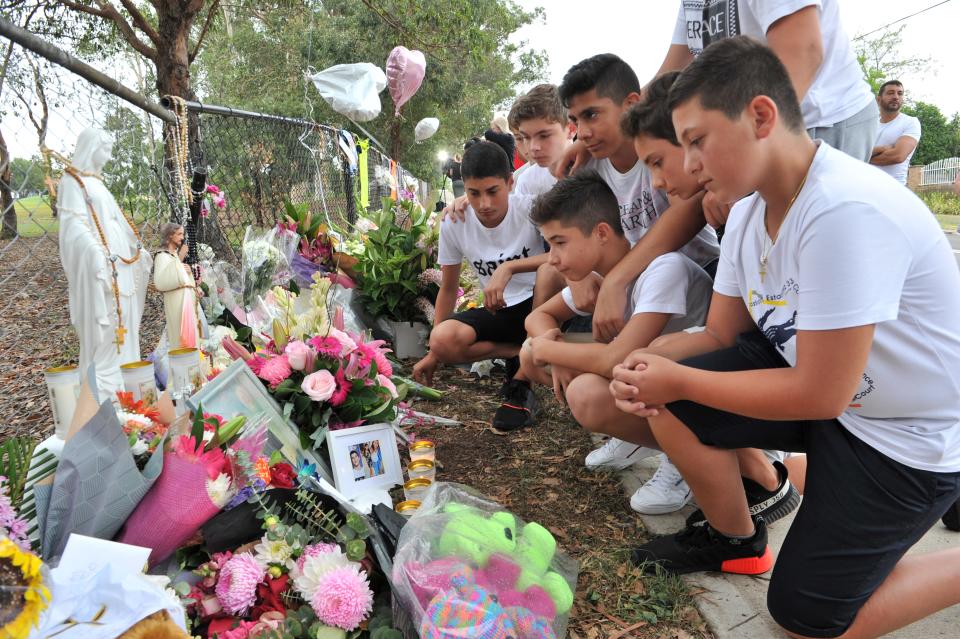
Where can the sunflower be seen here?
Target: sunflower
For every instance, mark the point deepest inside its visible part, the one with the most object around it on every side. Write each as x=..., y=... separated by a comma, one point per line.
x=24, y=596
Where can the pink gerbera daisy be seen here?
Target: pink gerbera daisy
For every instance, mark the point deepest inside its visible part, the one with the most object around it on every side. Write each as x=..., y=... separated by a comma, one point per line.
x=343, y=388
x=327, y=346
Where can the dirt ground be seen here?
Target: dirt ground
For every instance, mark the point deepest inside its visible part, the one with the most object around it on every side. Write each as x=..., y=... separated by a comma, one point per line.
x=538, y=473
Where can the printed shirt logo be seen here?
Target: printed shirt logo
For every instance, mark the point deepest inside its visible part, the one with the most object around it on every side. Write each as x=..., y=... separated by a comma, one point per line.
x=486, y=268
x=709, y=21
x=640, y=213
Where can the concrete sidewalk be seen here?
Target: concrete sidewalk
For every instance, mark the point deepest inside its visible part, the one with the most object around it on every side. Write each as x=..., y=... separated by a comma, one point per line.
x=735, y=605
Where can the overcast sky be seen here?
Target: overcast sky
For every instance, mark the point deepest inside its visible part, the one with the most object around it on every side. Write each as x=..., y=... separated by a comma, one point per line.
x=639, y=31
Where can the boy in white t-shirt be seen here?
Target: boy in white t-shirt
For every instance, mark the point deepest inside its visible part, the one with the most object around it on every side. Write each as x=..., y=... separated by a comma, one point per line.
x=899, y=133
x=580, y=220
x=504, y=248
x=831, y=331
x=539, y=122
x=836, y=102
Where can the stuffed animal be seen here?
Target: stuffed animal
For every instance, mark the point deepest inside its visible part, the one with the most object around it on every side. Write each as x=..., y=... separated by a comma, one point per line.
x=469, y=611
x=472, y=535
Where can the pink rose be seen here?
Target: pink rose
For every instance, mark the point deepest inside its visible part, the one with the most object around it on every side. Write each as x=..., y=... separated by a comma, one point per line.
x=297, y=353
x=319, y=386
x=385, y=381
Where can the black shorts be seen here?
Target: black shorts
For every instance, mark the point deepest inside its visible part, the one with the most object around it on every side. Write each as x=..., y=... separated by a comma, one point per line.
x=505, y=326
x=861, y=510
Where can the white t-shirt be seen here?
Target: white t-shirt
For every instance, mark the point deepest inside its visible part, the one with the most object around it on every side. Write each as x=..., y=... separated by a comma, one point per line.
x=857, y=249
x=671, y=284
x=485, y=249
x=838, y=90
x=892, y=131
x=641, y=205
x=533, y=181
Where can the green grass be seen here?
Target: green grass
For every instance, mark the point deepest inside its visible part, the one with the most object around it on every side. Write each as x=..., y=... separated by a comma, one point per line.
x=948, y=222
x=34, y=217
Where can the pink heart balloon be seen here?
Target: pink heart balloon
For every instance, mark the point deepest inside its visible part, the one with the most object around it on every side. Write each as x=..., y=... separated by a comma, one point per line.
x=405, y=71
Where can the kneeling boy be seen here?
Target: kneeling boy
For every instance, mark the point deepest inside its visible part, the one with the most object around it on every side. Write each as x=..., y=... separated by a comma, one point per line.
x=830, y=332
x=580, y=219
x=505, y=249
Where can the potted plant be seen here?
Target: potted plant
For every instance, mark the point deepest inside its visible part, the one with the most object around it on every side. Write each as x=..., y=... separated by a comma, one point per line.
x=398, y=247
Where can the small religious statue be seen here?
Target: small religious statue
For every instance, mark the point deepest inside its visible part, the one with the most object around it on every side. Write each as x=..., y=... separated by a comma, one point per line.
x=174, y=279
x=106, y=265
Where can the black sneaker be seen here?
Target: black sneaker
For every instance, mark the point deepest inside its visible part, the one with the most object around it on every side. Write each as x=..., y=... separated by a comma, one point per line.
x=951, y=519
x=519, y=407
x=511, y=366
x=771, y=505
x=701, y=549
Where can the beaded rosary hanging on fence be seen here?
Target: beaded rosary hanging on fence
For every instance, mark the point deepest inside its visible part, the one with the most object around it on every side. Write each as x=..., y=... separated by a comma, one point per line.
x=111, y=257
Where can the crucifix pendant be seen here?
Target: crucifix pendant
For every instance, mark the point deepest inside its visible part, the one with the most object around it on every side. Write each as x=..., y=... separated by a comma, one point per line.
x=121, y=331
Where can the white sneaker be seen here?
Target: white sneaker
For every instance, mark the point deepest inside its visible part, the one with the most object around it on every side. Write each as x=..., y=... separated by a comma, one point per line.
x=616, y=454
x=663, y=493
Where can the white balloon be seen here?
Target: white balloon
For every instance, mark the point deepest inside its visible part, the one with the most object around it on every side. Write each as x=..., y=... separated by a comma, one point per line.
x=352, y=89
x=426, y=128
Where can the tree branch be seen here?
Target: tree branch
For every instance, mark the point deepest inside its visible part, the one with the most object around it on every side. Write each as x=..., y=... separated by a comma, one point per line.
x=109, y=13
x=140, y=22
x=203, y=32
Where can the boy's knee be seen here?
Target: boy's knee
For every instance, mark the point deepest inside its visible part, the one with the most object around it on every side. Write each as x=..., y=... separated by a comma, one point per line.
x=448, y=339
x=798, y=611
x=585, y=394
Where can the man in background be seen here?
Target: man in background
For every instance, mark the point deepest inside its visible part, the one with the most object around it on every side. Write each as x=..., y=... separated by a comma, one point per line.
x=899, y=133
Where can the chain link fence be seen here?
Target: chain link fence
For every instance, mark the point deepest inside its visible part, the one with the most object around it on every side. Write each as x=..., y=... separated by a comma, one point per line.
x=258, y=160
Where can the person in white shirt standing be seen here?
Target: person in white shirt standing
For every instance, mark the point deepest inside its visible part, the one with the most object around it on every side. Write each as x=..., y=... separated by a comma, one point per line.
x=899, y=133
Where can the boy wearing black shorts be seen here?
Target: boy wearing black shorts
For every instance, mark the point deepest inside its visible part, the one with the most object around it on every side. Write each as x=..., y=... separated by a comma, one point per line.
x=504, y=248
x=831, y=332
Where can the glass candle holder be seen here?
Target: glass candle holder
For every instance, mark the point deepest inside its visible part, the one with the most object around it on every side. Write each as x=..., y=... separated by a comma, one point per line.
x=421, y=468
x=138, y=379
x=185, y=370
x=422, y=449
x=407, y=508
x=63, y=388
x=415, y=489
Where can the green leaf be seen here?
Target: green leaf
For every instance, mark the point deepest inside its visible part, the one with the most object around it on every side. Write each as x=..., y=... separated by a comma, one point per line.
x=197, y=430
x=356, y=549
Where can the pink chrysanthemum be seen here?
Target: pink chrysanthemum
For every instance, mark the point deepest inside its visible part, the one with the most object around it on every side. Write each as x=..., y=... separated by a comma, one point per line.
x=343, y=388
x=314, y=550
x=256, y=363
x=237, y=587
x=343, y=598
x=275, y=370
x=327, y=346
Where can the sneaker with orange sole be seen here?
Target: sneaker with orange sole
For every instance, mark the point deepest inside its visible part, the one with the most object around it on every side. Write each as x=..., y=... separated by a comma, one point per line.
x=702, y=549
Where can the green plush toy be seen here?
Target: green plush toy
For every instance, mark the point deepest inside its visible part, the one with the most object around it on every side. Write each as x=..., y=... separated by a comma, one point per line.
x=535, y=550
x=470, y=534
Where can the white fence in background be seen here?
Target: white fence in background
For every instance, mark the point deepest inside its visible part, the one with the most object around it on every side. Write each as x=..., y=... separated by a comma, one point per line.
x=940, y=172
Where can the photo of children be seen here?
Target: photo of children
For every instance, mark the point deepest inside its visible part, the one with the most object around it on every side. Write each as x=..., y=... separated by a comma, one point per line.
x=366, y=460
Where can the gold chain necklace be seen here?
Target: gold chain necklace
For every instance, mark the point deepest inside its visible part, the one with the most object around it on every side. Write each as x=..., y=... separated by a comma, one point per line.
x=767, y=242
x=112, y=258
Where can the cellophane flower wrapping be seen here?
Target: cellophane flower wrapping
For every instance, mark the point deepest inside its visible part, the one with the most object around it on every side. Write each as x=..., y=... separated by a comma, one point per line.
x=178, y=503
x=464, y=562
x=266, y=260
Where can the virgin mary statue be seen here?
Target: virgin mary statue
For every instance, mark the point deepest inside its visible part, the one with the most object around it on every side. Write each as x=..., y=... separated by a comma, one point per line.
x=106, y=265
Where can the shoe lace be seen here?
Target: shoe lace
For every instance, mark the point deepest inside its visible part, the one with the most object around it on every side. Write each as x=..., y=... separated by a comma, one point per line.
x=697, y=536
x=666, y=477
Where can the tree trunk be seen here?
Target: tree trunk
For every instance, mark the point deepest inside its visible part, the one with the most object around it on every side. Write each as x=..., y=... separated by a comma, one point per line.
x=6, y=197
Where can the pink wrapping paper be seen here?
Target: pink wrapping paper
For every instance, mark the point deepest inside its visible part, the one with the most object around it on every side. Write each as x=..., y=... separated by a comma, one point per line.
x=174, y=509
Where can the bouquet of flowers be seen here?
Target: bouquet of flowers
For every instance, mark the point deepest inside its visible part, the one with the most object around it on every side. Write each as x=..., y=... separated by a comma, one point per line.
x=141, y=424
x=316, y=252
x=197, y=481
x=23, y=594
x=337, y=379
x=214, y=198
x=265, y=261
x=401, y=247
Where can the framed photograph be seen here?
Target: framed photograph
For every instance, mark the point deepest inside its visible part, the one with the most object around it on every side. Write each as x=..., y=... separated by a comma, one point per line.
x=237, y=391
x=364, y=457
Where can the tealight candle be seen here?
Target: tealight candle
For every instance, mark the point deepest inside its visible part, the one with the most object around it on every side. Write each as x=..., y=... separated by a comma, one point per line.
x=422, y=449
x=407, y=508
x=415, y=489
x=422, y=468
x=185, y=373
